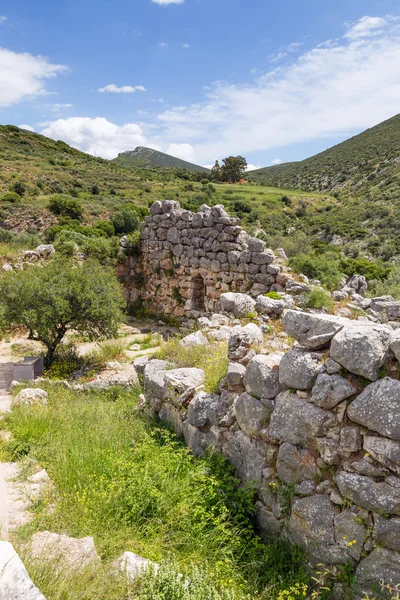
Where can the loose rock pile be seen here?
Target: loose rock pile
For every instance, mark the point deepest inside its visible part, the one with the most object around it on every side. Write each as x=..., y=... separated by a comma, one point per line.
x=315, y=430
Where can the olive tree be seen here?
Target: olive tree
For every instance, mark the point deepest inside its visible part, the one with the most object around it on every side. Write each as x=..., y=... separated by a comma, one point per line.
x=61, y=296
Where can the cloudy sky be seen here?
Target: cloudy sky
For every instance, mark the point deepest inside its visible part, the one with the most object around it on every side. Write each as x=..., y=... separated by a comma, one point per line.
x=200, y=79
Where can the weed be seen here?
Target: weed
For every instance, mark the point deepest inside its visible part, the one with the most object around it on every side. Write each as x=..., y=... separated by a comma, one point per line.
x=318, y=298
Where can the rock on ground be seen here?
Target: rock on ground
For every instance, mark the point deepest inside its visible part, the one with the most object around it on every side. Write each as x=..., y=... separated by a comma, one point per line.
x=299, y=370
x=70, y=552
x=310, y=330
x=30, y=396
x=237, y=304
x=15, y=583
x=133, y=565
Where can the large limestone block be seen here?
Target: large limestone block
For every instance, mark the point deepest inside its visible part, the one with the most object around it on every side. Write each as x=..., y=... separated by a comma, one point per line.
x=133, y=565
x=30, y=396
x=384, y=451
x=194, y=339
x=237, y=304
x=178, y=383
x=312, y=331
x=387, y=532
x=269, y=305
x=329, y=390
x=154, y=377
x=206, y=409
x=350, y=533
x=381, y=565
x=297, y=421
x=294, y=465
x=262, y=376
x=250, y=457
x=378, y=408
x=312, y=527
x=251, y=414
x=364, y=491
x=15, y=583
x=299, y=370
x=241, y=338
x=65, y=551
x=361, y=349
x=199, y=441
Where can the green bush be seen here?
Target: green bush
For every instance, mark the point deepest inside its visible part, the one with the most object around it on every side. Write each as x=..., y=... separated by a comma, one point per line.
x=5, y=236
x=323, y=267
x=66, y=207
x=318, y=298
x=19, y=188
x=11, y=197
x=363, y=266
x=390, y=286
x=126, y=219
x=95, y=190
x=274, y=295
x=106, y=226
x=240, y=206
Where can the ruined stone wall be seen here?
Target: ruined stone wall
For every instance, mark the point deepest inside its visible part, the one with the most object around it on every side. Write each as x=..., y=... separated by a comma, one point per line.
x=187, y=260
x=315, y=430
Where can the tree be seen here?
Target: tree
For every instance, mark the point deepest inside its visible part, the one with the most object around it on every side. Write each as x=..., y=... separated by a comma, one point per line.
x=126, y=219
x=95, y=190
x=19, y=188
x=233, y=168
x=216, y=172
x=66, y=207
x=59, y=297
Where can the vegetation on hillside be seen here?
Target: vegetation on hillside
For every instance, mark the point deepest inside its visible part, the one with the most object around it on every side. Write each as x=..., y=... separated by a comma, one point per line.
x=149, y=158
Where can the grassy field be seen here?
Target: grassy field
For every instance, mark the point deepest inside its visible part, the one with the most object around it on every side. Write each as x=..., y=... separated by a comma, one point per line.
x=130, y=484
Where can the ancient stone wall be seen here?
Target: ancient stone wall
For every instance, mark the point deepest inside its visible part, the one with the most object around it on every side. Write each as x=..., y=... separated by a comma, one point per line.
x=187, y=260
x=316, y=430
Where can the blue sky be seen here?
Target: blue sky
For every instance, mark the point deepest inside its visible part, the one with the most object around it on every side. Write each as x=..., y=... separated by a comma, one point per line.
x=200, y=79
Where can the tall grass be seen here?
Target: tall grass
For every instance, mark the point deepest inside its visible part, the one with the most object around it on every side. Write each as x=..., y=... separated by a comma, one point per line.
x=131, y=485
x=212, y=358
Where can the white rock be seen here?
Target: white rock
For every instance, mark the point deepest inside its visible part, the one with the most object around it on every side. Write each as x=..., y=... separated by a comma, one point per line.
x=194, y=339
x=71, y=552
x=31, y=396
x=238, y=304
x=15, y=583
x=133, y=565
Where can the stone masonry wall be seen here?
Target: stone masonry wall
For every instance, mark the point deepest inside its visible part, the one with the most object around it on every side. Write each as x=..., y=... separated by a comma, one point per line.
x=187, y=260
x=316, y=430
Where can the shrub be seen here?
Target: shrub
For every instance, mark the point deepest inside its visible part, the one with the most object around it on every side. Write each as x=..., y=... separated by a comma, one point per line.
x=240, y=206
x=318, y=298
x=390, y=286
x=5, y=236
x=274, y=295
x=324, y=267
x=11, y=197
x=286, y=200
x=126, y=219
x=19, y=188
x=106, y=226
x=95, y=190
x=66, y=207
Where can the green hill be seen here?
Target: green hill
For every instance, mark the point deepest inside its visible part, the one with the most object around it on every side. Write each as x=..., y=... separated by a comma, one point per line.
x=367, y=161
x=148, y=158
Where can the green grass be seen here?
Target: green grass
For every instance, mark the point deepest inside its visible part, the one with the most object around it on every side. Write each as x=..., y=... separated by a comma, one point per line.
x=213, y=359
x=130, y=484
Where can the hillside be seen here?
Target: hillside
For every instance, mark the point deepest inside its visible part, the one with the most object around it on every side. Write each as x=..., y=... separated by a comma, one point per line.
x=148, y=158
x=365, y=163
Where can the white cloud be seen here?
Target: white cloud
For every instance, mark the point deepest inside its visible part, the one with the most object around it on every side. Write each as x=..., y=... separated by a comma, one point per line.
x=23, y=76
x=166, y=2
x=276, y=161
x=125, y=89
x=3, y=20
x=251, y=167
x=365, y=27
x=96, y=136
x=185, y=45
x=335, y=89
x=183, y=151
x=163, y=44
x=26, y=127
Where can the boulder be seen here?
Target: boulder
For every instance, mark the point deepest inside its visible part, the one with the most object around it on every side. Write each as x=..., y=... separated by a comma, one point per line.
x=384, y=451
x=241, y=338
x=133, y=565
x=378, y=408
x=194, y=339
x=154, y=377
x=340, y=295
x=262, y=376
x=7, y=267
x=206, y=409
x=199, y=441
x=297, y=421
x=45, y=250
x=350, y=533
x=265, y=305
x=235, y=376
x=248, y=456
x=312, y=527
x=251, y=414
x=294, y=464
x=182, y=384
x=30, y=396
x=299, y=370
x=296, y=287
x=173, y=416
x=267, y=523
x=361, y=349
x=356, y=284
x=312, y=331
x=329, y=390
x=15, y=583
x=386, y=305
x=237, y=304
x=74, y=553
x=387, y=532
x=394, y=343
x=364, y=491
x=381, y=565
x=350, y=439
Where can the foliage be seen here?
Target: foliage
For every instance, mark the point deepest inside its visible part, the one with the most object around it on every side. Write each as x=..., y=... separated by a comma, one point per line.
x=105, y=352
x=233, y=168
x=274, y=295
x=213, y=360
x=323, y=267
x=95, y=190
x=318, y=298
x=66, y=207
x=61, y=296
x=216, y=171
x=19, y=188
x=363, y=266
x=133, y=486
x=390, y=286
x=11, y=197
x=126, y=219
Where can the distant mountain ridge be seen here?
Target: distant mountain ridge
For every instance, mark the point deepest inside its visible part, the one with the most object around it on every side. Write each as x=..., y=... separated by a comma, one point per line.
x=359, y=164
x=149, y=158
